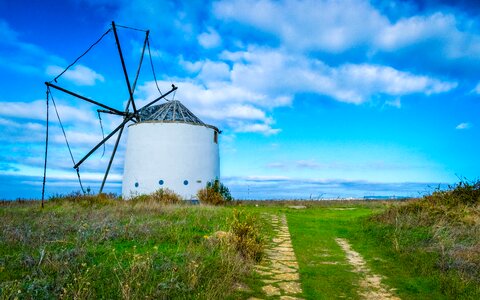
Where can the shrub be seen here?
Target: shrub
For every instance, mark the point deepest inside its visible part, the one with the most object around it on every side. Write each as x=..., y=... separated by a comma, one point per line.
x=209, y=196
x=86, y=199
x=164, y=196
x=463, y=193
x=215, y=193
x=220, y=188
x=246, y=237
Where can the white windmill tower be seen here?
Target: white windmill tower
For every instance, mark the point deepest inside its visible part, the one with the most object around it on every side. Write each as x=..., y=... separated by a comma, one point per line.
x=170, y=148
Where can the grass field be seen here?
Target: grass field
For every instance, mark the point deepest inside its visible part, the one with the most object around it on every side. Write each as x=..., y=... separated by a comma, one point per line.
x=117, y=250
x=412, y=272
x=133, y=250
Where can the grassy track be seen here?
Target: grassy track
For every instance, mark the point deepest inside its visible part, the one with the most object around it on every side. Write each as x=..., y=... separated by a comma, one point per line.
x=313, y=234
x=413, y=273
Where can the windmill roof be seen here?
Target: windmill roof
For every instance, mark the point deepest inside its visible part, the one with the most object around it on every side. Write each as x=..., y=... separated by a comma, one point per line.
x=172, y=111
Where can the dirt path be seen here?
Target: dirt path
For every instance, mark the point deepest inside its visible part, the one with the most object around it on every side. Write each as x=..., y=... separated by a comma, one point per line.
x=371, y=286
x=279, y=270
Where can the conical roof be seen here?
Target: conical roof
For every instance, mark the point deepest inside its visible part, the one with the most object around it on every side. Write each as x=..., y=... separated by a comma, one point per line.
x=170, y=111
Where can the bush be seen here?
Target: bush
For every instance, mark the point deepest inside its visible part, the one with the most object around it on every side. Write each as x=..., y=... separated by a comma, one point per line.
x=463, y=193
x=220, y=188
x=246, y=237
x=86, y=199
x=164, y=196
x=210, y=196
x=215, y=193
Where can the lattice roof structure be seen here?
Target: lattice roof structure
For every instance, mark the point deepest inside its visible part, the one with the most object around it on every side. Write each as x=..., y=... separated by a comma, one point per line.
x=172, y=111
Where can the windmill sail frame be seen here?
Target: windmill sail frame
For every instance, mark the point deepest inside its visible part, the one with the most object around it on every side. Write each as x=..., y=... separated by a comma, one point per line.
x=126, y=114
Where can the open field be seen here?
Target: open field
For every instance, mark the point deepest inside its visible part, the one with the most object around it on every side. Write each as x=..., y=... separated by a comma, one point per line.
x=416, y=249
x=118, y=250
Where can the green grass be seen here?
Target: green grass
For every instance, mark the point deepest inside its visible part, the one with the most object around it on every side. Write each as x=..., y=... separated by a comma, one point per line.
x=117, y=250
x=313, y=234
x=86, y=248
x=438, y=237
x=408, y=258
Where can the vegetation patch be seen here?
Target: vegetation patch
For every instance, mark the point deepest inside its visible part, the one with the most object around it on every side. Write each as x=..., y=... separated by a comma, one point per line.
x=99, y=247
x=163, y=196
x=215, y=193
x=441, y=234
x=90, y=248
x=246, y=236
x=413, y=266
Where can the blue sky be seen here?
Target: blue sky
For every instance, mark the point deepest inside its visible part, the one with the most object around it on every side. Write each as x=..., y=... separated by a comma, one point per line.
x=315, y=98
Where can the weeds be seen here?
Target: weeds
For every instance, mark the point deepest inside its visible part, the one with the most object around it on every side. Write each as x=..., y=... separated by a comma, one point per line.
x=86, y=200
x=246, y=237
x=446, y=223
x=163, y=196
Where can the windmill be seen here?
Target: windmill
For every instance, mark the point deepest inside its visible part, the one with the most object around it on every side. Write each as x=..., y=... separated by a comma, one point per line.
x=128, y=116
x=168, y=146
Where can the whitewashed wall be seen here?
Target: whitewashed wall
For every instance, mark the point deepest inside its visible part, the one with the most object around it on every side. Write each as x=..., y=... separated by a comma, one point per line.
x=172, y=152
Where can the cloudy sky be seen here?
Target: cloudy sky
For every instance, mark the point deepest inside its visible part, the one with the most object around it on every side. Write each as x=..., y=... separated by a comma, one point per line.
x=315, y=98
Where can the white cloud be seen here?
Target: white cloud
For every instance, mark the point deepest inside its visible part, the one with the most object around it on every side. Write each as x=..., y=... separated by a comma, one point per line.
x=260, y=79
x=307, y=164
x=8, y=123
x=189, y=66
x=36, y=110
x=236, y=111
x=30, y=126
x=207, y=70
x=209, y=39
x=215, y=95
x=338, y=26
x=7, y=34
x=220, y=103
x=23, y=57
x=477, y=89
x=241, y=88
x=214, y=71
x=462, y=126
x=267, y=178
x=397, y=103
x=79, y=74
x=364, y=80
x=331, y=25
x=270, y=71
x=245, y=112
x=415, y=29
x=76, y=137
x=27, y=170
x=258, y=128
x=439, y=29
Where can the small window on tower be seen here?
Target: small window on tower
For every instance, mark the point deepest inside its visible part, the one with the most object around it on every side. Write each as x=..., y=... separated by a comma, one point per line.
x=215, y=137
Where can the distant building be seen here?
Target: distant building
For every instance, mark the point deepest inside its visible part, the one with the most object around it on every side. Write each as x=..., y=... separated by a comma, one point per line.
x=384, y=197
x=170, y=148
